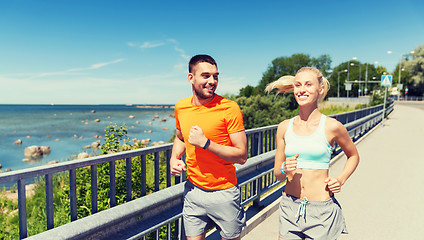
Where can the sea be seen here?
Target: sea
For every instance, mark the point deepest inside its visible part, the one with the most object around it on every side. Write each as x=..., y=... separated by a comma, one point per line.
x=66, y=129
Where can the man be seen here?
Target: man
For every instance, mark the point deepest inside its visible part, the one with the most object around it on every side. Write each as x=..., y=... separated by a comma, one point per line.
x=210, y=130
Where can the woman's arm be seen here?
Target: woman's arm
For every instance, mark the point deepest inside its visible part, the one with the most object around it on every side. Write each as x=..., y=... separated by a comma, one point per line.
x=341, y=137
x=280, y=155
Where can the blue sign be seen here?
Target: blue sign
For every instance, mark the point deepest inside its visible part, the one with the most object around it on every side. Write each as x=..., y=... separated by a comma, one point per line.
x=386, y=80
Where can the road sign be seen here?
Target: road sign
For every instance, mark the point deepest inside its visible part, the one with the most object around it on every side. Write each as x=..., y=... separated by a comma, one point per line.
x=386, y=80
x=348, y=86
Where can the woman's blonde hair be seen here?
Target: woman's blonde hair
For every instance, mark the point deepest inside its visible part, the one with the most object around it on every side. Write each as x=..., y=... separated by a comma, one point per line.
x=285, y=84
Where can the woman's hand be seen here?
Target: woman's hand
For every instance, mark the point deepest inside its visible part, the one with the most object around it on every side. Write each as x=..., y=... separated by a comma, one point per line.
x=333, y=184
x=290, y=163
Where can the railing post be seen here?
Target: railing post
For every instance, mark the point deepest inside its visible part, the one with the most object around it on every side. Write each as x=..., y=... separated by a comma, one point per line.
x=254, y=144
x=49, y=201
x=143, y=174
x=112, y=184
x=168, y=168
x=157, y=160
x=73, y=193
x=257, y=201
x=128, y=173
x=261, y=143
x=94, y=207
x=22, y=209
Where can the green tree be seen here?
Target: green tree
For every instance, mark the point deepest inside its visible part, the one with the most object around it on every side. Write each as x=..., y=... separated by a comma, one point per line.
x=414, y=72
x=357, y=71
x=259, y=111
x=290, y=65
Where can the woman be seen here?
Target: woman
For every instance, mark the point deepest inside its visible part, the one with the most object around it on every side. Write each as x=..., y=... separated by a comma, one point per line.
x=308, y=209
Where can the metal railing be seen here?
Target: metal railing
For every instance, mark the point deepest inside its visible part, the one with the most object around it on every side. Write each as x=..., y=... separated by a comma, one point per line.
x=160, y=211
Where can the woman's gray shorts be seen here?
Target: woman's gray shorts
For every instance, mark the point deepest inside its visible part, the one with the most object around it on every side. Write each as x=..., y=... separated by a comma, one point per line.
x=205, y=209
x=304, y=219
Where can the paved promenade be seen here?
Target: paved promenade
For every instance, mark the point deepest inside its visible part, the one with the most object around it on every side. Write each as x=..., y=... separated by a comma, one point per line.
x=384, y=198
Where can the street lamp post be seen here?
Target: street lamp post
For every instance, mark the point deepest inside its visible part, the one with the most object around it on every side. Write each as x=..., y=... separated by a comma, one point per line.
x=338, y=82
x=360, y=78
x=400, y=69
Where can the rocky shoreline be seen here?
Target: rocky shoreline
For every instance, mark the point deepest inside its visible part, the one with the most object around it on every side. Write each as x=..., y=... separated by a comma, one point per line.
x=36, y=153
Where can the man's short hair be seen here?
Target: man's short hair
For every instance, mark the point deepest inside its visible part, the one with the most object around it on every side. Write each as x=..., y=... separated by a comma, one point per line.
x=198, y=59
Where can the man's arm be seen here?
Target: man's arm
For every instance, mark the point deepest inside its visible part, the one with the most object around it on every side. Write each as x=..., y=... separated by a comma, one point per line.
x=236, y=153
x=178, y=149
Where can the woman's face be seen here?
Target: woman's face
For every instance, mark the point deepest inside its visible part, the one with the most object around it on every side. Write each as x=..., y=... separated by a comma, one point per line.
x=307, y=89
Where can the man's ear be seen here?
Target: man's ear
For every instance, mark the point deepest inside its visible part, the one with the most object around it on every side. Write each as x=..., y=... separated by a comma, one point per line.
x=190, y=78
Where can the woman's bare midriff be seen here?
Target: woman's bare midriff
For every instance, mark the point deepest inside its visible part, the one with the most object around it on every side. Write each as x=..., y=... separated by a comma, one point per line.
x=309, y=183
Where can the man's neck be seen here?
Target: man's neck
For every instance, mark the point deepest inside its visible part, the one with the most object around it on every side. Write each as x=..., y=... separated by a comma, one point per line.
x=201, y=101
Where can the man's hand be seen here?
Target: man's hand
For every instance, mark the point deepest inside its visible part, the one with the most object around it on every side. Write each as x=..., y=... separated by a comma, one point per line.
x=177, y=167
x=197, y=137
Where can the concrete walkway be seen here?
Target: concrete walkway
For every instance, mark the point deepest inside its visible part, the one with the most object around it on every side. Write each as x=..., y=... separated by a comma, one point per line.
x=384, y=198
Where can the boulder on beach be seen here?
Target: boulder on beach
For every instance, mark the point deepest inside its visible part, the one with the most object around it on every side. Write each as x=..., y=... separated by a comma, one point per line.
x=83, y=155
x=131, y=117
x=36, y=151
x=86, y=147
x=93, y=111
x=158, y=143
x=97, y=120
x=95, y=144
x=46, y=150
x=18, y=142
x=33, y=151
x=137, y=122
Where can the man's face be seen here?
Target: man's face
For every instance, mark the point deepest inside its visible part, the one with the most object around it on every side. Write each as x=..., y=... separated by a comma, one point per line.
x=204, y=80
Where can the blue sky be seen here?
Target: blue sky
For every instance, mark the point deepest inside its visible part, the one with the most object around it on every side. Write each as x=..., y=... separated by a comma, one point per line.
x=119, y=52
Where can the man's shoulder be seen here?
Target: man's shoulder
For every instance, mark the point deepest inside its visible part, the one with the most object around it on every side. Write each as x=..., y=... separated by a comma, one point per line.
x=226, y=103
x=183, y=102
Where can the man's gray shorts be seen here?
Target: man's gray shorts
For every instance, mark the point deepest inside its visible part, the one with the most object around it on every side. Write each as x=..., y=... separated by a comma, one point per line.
x=318, y=220
x=204, y=209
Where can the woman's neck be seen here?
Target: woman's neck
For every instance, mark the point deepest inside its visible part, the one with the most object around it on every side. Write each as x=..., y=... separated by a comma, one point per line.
x=309, y=113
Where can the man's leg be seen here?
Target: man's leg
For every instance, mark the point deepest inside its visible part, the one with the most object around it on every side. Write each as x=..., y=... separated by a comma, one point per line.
x=200, y=237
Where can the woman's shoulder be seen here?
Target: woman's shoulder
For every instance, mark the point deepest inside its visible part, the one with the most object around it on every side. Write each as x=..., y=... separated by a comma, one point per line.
x=282, y=126
x=333, y=124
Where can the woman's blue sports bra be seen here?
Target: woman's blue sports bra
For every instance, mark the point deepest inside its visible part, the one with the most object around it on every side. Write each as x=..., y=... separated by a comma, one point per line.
x=314, y=150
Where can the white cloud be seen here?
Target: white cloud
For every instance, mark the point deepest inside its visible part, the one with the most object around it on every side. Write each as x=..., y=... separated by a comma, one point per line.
x=72, y=71
x=146, y=44
x=100, y=65
x=151, y=45
x=182, y=53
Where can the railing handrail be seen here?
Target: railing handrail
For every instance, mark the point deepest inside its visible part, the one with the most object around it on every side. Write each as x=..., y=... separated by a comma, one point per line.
x=79, y=163
x=142, y=209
